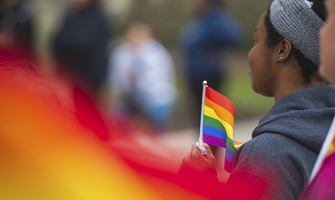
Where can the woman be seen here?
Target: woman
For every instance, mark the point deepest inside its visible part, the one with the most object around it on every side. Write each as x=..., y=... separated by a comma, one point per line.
x=278, y=160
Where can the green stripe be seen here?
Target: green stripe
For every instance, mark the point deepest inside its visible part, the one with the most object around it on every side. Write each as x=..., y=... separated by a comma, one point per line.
x=214, y=123
x=217, y=124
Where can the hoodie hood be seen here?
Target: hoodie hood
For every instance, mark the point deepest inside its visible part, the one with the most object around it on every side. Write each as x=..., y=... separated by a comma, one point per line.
x=308, y=112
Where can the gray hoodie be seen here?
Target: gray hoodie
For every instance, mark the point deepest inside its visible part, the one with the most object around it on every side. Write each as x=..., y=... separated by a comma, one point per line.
x=280, y=157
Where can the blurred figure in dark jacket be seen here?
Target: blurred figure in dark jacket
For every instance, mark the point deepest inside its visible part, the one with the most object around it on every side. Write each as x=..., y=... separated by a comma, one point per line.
x=80, y=49
x=16, y=26
x=204, y=40
x=81, y=44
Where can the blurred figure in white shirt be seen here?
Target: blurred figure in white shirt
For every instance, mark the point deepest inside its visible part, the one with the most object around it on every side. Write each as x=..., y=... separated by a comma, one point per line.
x=142, y=74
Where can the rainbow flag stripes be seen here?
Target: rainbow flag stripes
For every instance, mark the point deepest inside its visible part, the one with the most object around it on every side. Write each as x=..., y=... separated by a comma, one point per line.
x=331, y=147
x=218, y=124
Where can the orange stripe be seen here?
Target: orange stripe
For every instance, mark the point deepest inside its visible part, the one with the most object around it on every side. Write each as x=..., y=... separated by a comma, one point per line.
x=331, y=147
x=237, y=144
x=220, y=100
x=224, y=114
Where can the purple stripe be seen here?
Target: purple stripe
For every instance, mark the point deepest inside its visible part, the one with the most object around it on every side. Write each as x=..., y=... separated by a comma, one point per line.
x=214, y=141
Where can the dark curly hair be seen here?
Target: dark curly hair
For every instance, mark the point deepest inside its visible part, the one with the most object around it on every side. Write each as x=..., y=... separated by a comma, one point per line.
x=308, y=67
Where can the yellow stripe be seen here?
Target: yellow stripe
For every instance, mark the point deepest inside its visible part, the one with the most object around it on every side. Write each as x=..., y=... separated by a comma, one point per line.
x=211, y=113
x=222, y=113
x=331, y=149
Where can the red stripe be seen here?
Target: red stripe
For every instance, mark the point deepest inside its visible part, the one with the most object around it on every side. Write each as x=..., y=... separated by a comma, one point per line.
x=220, y=100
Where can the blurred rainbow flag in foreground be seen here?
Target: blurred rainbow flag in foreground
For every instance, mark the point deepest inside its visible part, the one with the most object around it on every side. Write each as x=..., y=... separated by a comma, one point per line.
x=46, y=153
x=218, y=124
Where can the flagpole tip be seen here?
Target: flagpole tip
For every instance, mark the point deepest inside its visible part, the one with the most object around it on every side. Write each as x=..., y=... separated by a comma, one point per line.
x=204, y=83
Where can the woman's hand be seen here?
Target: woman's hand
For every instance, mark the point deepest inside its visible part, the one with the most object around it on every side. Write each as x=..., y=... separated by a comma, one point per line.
x=194, y=162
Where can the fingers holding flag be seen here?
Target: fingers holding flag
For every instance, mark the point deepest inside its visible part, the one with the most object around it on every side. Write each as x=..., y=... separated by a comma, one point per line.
x=197, y=162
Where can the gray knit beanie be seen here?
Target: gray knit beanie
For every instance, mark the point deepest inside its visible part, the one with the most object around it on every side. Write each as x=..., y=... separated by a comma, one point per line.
x=297, y=22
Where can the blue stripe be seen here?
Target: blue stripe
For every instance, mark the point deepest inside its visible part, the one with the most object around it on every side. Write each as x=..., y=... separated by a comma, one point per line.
x=211, y=131
x=229, y=155
x=228, y=166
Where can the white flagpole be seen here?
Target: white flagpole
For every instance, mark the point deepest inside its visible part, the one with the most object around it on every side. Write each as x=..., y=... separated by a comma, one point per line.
x=323, y=152
x=204, y=85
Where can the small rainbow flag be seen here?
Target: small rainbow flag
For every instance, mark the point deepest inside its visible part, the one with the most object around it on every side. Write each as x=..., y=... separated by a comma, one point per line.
x=218, y=124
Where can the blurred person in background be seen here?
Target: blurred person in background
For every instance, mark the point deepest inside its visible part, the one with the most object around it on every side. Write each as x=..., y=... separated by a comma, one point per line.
x=16, y=26
x=80, y=50
x=80, y=45
x=142, y=74
x=205, y=40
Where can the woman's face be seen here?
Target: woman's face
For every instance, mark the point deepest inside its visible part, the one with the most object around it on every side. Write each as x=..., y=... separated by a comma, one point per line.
x=261, y=75
x=327, y=44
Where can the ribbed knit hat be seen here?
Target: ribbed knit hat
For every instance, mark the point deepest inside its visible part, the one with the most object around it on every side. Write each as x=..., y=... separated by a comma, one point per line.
x=297, y=22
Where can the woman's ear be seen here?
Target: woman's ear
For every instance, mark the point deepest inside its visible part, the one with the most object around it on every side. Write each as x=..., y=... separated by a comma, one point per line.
x=284, y=50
